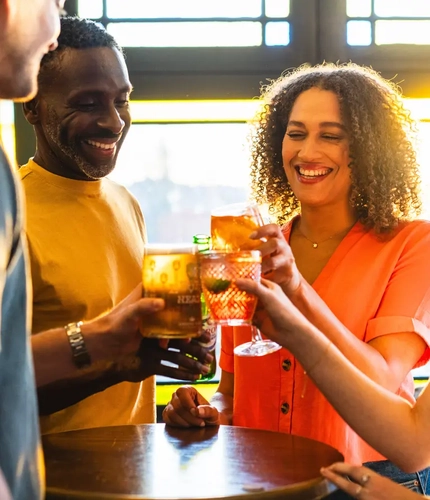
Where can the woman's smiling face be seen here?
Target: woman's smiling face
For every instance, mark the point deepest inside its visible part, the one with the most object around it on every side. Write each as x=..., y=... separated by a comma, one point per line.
x=315, y=150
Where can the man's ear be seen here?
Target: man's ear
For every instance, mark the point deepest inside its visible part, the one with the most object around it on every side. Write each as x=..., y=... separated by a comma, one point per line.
x=31, y=110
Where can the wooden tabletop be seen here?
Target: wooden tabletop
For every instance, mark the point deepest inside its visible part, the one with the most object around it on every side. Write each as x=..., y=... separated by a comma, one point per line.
x=156, y=462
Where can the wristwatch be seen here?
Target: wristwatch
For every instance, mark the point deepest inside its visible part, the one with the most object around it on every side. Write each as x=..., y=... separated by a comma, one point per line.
x=81, y=356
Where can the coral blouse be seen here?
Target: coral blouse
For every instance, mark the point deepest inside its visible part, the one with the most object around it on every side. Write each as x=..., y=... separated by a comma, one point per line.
x=374, y=288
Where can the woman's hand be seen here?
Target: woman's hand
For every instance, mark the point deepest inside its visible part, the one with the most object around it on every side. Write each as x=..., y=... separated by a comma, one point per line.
x=278, y=263
x=363, y=483
x=276, y=315
x=188, y=408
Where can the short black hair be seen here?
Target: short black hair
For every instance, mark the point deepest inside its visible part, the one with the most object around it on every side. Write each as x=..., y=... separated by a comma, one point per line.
x=76, y=33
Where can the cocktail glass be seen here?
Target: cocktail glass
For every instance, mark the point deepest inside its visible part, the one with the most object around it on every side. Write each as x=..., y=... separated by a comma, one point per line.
x=231, y=226
x=228, y=305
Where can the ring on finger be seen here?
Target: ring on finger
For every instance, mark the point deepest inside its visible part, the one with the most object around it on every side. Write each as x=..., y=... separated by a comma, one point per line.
x=364, y=479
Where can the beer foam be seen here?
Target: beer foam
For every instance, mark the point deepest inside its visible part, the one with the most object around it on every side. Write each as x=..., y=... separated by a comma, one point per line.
x=170, y=249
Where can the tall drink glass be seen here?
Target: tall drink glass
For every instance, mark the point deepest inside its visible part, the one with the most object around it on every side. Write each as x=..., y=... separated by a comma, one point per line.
x=171, y=272
x=231, y=226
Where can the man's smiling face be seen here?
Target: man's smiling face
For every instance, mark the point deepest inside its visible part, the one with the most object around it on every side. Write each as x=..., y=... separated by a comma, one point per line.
x=84, y=113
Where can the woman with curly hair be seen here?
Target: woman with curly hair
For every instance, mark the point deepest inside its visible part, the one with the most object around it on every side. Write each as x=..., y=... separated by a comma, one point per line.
x=383, y=171
x=333, y=157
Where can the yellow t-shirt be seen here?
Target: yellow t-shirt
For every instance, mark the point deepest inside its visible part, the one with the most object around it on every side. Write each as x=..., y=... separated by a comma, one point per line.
x=86, y=245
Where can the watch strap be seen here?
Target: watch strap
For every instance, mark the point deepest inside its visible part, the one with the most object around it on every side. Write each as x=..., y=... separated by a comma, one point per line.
x=81, y=356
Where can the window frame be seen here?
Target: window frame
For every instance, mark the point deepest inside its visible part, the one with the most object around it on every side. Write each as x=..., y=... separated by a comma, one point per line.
x=218, y=72
x=406, y=63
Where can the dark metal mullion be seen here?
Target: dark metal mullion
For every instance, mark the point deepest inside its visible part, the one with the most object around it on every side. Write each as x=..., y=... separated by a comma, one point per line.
x=105, y=20
x=373, y=21
x=263, y=24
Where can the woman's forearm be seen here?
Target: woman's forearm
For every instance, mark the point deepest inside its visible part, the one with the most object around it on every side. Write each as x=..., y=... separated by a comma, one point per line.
x=224, y=404
x=222, y=400
x=387, y=364
x=386, y=421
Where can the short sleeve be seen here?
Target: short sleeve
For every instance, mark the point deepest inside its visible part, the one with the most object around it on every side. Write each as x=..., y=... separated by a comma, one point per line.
x=405, y=306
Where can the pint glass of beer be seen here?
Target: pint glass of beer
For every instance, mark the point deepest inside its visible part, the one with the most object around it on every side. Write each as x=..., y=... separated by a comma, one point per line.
x=171, y=272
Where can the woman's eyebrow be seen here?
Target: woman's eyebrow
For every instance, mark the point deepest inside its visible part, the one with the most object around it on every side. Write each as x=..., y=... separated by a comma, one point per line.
x=333, y=124
x=295, y=123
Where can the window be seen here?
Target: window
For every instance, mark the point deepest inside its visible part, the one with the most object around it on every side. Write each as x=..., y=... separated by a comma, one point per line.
x=420, y=110
x=181, y=159
x=387, y=22
x=193, y=23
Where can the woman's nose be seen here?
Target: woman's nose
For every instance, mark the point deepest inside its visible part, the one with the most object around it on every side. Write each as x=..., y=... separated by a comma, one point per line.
x=309, y=150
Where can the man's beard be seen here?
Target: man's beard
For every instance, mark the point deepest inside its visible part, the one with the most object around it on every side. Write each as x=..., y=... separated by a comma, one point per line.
x=53, y=132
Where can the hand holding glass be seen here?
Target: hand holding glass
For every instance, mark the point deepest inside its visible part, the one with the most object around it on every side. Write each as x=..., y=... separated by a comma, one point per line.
x=171, y=272
x=231, y=226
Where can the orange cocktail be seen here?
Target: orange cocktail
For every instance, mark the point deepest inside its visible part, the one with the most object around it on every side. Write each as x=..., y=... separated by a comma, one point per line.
x=231, y=226
x=228, y=305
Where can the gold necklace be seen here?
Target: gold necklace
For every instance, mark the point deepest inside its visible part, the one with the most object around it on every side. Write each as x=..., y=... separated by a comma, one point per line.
x=315, y=244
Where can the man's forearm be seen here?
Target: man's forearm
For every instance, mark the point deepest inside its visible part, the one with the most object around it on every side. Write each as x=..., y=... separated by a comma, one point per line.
x=52, y=354
x=64, y=393
x=60, y=383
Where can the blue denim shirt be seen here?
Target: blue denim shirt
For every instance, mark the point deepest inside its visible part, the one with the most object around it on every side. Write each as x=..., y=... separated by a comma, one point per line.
x=20, y=452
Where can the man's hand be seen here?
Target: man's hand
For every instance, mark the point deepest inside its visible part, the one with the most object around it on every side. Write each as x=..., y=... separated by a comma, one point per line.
x=188, y=408
x=118, y=353
x=190, y=358
x=116, y=335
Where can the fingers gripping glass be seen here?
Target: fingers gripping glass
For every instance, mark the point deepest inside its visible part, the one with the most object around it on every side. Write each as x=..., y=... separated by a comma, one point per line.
x=231, y=226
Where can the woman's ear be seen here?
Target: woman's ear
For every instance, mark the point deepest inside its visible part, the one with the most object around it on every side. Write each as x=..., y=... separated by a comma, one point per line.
x=31, y=111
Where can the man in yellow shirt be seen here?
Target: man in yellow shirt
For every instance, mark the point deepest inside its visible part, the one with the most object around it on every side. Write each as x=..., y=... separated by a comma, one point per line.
x=85, y=232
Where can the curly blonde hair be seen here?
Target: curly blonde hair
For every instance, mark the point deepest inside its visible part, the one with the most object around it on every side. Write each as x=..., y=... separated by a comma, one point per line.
x=384, y=171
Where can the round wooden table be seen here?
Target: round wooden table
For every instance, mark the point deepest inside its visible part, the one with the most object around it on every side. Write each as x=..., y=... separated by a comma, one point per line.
x=156, y=462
